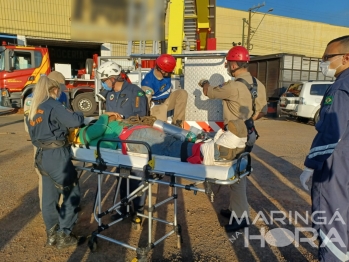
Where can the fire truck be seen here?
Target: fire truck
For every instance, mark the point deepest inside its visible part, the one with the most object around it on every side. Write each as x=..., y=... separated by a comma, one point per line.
x=21, y=68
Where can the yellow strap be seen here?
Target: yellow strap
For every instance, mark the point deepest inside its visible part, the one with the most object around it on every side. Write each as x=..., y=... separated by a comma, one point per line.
x=151, y=163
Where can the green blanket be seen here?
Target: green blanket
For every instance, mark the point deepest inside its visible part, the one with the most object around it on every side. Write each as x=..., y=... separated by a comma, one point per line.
x=102, y=128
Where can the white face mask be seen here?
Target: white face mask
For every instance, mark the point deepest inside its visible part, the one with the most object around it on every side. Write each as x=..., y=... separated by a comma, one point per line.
x=326, y=71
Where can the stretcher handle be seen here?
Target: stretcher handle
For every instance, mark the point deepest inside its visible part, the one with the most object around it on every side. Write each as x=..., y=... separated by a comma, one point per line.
x=123, y=141
x=238, y=163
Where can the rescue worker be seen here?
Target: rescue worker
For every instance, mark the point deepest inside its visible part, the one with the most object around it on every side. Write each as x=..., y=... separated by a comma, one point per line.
x=327, y=160
x=123, y=99
x=157, y=86
x=59, y=77
x=48, y=122
x=238, y=103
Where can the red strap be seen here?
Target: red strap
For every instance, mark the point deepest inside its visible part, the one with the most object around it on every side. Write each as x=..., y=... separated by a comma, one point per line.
x=195, y=158
x=126, y=132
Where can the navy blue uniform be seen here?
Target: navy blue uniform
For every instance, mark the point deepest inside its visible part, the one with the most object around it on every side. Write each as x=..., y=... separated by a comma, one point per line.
x=161, y=88
x=329, y=157
x=129, y=101
x=48, y=131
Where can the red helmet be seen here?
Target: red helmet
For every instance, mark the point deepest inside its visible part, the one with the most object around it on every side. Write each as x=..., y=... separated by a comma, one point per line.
x=239, y=54
x=166, y=63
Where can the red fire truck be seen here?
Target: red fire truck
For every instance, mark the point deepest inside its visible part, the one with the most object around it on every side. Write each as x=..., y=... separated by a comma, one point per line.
x=21, y=68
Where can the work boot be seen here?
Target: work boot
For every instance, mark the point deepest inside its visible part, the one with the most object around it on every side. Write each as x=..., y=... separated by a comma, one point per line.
x=52, y=235
x=225, y=213
x=138, y=219
x=64, y=240
x=235, y=225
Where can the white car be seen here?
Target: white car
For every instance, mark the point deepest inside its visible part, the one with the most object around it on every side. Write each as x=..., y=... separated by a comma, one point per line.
x=302, y=99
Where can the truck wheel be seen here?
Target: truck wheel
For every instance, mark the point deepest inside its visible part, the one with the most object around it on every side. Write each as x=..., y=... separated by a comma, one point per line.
x=317, y=117
x=89, y=65
x=85, y=103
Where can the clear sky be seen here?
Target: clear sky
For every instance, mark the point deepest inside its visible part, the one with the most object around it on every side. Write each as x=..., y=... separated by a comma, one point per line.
x=334, y=12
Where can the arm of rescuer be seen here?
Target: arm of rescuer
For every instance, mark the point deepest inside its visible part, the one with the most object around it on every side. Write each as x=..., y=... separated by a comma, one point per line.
x=215, y=92
x=148, y=90
x=67, y=117
x=224, y=91
x=334, y=116
x=140, y=102
x=261, y=102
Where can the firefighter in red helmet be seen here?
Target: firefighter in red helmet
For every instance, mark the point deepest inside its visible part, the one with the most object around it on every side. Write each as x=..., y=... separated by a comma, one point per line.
x=158, y=88
x=243, y=98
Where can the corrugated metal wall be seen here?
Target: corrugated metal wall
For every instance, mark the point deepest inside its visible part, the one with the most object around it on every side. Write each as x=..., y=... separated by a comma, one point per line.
x=39, y=18
x=276, y=34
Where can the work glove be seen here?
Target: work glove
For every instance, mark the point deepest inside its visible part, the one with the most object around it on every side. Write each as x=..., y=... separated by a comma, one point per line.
x=251, y=138
x=203, y=82
x=305, y=177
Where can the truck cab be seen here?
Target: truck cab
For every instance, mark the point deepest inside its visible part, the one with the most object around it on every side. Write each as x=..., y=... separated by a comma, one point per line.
x=20, y=69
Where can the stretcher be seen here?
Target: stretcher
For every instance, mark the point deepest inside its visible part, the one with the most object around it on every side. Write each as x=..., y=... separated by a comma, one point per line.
x=156, y=169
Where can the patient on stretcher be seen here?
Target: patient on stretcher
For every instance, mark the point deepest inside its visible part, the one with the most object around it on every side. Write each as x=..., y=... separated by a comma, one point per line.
x=226, y=145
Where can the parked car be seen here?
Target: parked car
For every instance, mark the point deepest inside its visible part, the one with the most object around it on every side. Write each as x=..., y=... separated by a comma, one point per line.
x=302, y=99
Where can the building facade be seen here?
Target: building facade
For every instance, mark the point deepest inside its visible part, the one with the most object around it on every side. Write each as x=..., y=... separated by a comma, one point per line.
x=48, y=23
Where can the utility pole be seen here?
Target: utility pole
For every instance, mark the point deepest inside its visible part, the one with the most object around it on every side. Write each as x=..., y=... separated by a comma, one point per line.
x=248, y=45
x=244, y=20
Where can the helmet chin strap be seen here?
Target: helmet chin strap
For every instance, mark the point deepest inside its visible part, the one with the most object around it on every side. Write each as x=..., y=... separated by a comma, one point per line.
x=116, y=79
x=232, y=71
x=163, y=74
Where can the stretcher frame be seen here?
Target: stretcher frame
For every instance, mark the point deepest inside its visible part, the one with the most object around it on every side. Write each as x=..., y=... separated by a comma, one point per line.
x=150, y=178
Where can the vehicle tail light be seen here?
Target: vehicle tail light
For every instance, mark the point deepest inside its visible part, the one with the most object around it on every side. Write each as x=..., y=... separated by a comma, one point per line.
x=301, y=101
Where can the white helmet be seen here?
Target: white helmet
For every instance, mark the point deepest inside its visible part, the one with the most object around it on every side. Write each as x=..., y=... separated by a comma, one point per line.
x=108, y=69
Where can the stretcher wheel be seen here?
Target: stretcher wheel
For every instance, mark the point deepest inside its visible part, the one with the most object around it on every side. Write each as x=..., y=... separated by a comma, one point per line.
x=92, y=244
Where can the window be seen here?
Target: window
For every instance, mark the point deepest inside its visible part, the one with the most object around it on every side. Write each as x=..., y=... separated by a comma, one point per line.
x=22, y=60
x=294, y=90
x=37, y=58
x=318, y=89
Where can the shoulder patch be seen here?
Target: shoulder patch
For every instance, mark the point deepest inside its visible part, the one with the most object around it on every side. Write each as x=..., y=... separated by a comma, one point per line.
x=140, y=93
x=328, y=100
x=162, y=87
x=148, y=92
